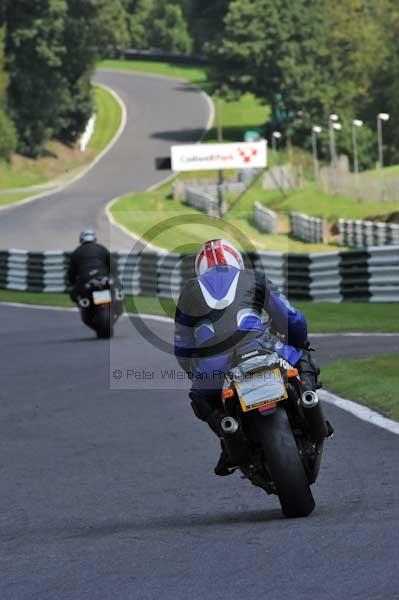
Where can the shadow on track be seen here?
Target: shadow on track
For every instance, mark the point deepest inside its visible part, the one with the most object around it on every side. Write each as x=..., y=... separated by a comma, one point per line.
x=179, y=135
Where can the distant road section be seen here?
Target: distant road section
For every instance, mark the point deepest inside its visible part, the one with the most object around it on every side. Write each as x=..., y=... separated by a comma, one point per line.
x=160, y=112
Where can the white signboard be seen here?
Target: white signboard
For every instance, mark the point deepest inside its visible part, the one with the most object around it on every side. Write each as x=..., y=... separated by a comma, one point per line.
x=203, y=157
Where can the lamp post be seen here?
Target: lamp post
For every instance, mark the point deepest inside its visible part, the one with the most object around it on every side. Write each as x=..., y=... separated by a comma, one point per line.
x=276, y=135
x=315, y=131
x=381, y=117
x=356, y=123
x=332, y=121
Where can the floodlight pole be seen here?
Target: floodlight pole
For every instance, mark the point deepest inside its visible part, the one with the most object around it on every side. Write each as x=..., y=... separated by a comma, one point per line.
x=315, y=130
x=381, y=117
x=355, y=124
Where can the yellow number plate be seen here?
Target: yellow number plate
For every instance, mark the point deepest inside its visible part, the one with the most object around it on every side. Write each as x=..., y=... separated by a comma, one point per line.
x=259, y=389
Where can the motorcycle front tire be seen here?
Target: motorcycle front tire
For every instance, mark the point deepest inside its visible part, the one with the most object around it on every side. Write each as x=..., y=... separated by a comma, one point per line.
x=285, y=465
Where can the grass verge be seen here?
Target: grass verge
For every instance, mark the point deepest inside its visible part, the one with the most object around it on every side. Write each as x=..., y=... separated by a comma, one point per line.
x=317, y=203
x=323, y=317
x=373, y=382
x=139, y=212
x=12, y=197
x=60, y=162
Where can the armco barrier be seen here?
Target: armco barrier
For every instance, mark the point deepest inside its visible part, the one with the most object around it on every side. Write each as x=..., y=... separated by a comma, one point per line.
x=203, y=202
x=265, y=219
x=309, y=229
x=361, y=234
x=34, y=271
x=207, y=187
x=370, y=275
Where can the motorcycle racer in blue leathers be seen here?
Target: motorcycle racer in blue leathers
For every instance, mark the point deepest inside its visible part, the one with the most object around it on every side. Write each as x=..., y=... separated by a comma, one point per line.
x=220, y=310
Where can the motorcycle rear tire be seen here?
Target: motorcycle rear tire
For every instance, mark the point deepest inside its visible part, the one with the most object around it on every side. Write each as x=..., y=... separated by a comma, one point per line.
x=285, y=464
x=103, y=323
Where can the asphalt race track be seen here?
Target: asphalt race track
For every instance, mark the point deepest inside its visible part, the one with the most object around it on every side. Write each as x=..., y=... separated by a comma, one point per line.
x=160, y=112
x=109, y=493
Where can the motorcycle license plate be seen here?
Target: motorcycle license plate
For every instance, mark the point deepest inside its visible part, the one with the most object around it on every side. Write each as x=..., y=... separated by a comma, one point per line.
x=261, y=388
x=102, y=297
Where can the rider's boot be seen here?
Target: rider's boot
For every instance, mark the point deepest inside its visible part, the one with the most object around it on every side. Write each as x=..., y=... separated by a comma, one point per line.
x=204, y=411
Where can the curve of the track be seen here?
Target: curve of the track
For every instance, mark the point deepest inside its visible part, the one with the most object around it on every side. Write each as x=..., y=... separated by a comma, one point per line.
x=160, y=112
x=109, y=493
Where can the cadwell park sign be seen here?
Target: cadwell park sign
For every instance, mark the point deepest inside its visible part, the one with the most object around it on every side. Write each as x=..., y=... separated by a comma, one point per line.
x=204, y=157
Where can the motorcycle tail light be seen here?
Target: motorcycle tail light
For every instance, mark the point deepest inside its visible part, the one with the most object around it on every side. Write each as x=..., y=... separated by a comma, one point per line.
x=292, y=373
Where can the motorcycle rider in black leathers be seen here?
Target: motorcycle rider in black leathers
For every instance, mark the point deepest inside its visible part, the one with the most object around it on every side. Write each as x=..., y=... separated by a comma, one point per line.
x=90, y=260
x=221, y=309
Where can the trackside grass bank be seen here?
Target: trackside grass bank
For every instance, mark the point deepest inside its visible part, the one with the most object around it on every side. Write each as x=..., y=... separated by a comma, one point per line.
x=373, y=382
x=323, y=317
x=60, y=162
x=139, y=212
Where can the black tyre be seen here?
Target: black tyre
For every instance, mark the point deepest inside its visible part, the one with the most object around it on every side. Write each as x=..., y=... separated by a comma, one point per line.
x=103, y=323
x=285, y=464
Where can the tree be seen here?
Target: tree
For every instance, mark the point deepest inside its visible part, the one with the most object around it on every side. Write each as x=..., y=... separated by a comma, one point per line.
x=35, y=52
x=8, y=139
x=306, y=59
x=158, y=24
x=110, y=24
x=205, y=20
x=138, y=15
x=168, y=29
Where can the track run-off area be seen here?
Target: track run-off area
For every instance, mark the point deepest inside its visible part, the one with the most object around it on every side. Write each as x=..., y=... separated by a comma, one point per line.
x=107, y=485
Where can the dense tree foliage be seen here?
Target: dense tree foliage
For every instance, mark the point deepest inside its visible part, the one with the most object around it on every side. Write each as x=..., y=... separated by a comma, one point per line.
x=205, y=20
x=305, y=58
x=8, y=138
x=157, y=24
x=50, y=56
x=308, y=58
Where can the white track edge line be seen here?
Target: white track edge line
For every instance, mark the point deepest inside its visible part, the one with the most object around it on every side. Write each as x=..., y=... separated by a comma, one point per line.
x=83, y=173
x=361, y=412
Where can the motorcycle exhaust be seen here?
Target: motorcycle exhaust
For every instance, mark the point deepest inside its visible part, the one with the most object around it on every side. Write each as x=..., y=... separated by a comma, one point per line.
x=229, y=425
x=235, y=441
x=314, y=416
x=84, y=302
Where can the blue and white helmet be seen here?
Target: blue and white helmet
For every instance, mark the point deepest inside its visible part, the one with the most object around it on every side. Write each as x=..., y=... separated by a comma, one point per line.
x=88, y=235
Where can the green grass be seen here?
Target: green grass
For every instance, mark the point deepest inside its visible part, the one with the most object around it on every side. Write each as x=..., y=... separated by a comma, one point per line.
x=10, y=198
x=195, y=75
x=36, y=298
x=61, y=161
x=238, y=116
x=109, y=115
x=372, y=381
x=323, y=317
x=139, y=212
x=154, y=306
x=345, y=317
x=317, y=203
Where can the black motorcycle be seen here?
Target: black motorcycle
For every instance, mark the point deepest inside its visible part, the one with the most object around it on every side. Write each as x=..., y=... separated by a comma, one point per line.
x=100, y=304
x=274, y=431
